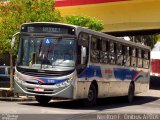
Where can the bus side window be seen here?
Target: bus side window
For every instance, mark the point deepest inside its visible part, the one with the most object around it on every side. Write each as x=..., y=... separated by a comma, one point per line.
x=133, y=57
x=94, y=55
x=119, y=60
x=83, y=43
x=112, y=52
x=103, y=52
x=146, y=59
x=139, y=58
x=127, y=58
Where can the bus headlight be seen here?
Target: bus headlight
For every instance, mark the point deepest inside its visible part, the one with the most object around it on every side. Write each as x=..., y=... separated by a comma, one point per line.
x=70, y=78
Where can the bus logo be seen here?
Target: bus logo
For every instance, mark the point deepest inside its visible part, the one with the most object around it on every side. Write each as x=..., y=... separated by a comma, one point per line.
x=108, y=71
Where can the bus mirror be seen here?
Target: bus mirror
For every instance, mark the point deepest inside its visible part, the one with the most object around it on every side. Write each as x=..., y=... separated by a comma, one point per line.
x=13, y=39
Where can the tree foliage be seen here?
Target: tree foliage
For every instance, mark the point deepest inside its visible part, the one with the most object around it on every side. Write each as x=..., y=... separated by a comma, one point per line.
x=85, y=21
x=148, y=40
x=16, y=12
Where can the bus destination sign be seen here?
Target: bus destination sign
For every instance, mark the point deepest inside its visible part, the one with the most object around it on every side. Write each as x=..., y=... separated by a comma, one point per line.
x=48, y=29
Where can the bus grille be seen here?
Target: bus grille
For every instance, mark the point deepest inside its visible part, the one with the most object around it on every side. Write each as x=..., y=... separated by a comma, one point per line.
x=43, y=73
x=36, y=83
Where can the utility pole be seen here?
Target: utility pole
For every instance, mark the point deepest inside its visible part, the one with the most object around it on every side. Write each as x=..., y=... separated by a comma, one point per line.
x=11, y=60
x=11, y=72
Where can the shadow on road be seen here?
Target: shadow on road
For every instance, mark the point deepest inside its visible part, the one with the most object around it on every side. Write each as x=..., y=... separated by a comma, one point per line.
x=155, y=83
x=106, y=103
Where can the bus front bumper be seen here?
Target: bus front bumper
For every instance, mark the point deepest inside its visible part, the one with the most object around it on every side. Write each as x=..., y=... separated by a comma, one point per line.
x=24, y=88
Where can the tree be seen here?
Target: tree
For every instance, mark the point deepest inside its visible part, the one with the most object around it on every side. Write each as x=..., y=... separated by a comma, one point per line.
x=148, y=40
x=85, y=21
x=16, y=12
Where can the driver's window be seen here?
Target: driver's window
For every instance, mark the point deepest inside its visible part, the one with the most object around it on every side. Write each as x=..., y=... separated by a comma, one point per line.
x=84, y=55
x=83, y=42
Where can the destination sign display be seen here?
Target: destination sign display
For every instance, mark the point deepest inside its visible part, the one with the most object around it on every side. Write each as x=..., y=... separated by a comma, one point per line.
x=47, y=29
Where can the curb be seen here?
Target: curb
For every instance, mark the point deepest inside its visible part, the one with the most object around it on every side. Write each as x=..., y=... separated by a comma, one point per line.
x=6, y=94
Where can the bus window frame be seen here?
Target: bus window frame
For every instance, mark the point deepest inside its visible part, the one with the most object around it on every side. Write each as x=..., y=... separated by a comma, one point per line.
x=94, y=51
x=112, y=52
x=145, y=61
x=104, y=52
x=119, y=54
x=139, y=57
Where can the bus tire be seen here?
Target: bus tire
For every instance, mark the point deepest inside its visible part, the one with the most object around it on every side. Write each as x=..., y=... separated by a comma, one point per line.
x=92, y=96
x=131, y=92
x=43, y=99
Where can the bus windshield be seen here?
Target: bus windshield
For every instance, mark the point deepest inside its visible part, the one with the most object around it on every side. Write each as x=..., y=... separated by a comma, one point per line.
x=47, y=53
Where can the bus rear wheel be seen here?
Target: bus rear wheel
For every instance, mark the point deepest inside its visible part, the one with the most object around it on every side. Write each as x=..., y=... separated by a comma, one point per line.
x=43, y=99
x=131, y=92
x=92, y=96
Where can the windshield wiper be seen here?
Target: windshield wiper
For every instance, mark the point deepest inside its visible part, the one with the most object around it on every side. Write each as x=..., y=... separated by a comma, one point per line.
x=40, y=54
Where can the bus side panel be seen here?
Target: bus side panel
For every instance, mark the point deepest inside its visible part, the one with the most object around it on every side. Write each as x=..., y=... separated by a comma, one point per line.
x=82, y=89
x=144, y=81
x=103, y=89
x=119, y=79
x=112, y=80
x=117, y=86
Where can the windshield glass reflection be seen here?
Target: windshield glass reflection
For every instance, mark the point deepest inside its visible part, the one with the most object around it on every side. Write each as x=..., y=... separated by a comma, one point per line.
x=47, y=53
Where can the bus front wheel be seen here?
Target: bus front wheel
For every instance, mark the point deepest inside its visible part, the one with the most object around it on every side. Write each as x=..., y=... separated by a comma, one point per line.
x=43, y=99
x=92, y=96
x=131, y=92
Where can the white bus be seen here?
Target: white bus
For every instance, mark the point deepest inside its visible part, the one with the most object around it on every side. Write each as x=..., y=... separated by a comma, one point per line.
x=65, y=61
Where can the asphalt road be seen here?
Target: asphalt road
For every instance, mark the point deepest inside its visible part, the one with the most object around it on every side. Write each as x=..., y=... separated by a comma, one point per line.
x=148, y=103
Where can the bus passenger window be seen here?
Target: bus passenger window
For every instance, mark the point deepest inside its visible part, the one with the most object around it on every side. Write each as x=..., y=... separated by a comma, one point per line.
x=112, y=53
x=139, y=58
x=119, y=55
x=94, y=43
x=103, y=57
x=127, y=56
x=146, y=59
x=103, y=53
x=133, y=58
x=94, y=55
x=104, y=45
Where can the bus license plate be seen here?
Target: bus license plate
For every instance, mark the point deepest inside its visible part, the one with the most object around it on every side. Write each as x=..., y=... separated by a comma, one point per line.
x=39, y=89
